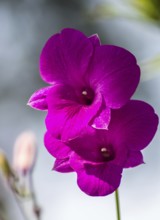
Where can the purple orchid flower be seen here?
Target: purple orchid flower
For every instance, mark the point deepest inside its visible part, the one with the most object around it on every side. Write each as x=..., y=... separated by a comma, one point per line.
x=99, y=156
x=87, y=81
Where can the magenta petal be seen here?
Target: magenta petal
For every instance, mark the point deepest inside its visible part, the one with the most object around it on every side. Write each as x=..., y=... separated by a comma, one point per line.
x=102, y=119
x=88, y=145
x=115, y=72
x=134, y=125
x=56, y=147
x=95, y=40
x=134, y=159
x=96, y=179
x=62, y=165
x=67, y=117
x=38, y=99
x=65, y=57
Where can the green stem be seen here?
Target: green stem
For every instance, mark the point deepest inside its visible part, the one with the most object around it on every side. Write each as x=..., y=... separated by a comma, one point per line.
x=117, y=205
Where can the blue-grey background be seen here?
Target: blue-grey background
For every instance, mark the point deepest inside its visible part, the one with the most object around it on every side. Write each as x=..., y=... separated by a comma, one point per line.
x=25, y=25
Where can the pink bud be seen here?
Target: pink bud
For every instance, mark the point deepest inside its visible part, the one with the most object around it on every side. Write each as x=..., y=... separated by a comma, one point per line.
x=24, y=152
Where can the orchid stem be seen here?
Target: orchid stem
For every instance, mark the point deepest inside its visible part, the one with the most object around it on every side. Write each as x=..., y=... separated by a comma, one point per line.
x=117, y=205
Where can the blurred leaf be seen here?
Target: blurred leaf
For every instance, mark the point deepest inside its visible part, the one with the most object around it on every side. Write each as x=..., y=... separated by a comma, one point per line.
x=3, y=214
x=149, y=8
x=4, y=166
x=103, y=10
x=150, y=68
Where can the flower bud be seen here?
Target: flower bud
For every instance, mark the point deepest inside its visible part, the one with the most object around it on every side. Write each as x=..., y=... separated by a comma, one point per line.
x=24, y=152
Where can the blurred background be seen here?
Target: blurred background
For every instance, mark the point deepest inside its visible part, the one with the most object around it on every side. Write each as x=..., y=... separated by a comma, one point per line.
x=25, y=25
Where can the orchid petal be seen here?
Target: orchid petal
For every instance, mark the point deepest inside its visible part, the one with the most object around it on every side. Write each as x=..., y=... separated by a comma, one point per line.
x=56, y=147
x=102, y=119
x=115, y=74
x=134, y=125
x=38, y=99
x=65, y=115
x=62, y=166
x=134, y=159
x=95, y=40
x=65, y=57
x=96, y=179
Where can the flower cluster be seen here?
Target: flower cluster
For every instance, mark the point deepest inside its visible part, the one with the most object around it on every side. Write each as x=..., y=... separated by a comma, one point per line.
x=93, y=128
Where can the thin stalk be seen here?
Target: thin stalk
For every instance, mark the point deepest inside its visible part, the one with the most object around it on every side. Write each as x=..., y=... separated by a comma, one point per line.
x=36, y=208
x=117, y=205
x=20, y=206
x=17, y=199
